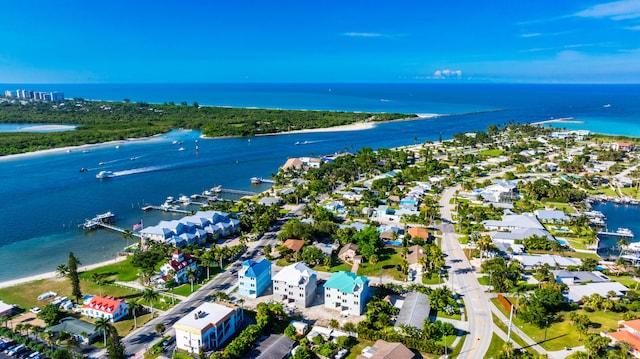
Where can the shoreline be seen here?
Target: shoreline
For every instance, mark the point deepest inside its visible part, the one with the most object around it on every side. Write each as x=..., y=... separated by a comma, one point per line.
x=51, y=275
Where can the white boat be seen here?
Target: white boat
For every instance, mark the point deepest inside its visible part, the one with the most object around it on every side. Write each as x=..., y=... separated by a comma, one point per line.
x=184, y=200
x=181, y=149
x=104, y=174
x=256, y=180
x=624, y=232
x=607, y=105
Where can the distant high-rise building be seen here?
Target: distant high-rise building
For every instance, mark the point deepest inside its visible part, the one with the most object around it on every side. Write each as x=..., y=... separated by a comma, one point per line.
x=9, y=93
x=57, y=96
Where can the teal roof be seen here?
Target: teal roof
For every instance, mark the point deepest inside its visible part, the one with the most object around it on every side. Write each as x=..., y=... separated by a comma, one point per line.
x=256, y=268
x=346, y=282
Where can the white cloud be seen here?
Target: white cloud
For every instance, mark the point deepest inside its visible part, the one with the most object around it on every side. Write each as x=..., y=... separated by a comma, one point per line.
x=535, y=34
x=447, y=74
x=362, y=34
x=617, y=10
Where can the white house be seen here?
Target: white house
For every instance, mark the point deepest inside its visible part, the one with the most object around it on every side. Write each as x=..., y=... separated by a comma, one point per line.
x=295, y=284
x=207, y=327
x=346, y=292
x=108, y=307
x=179, y=264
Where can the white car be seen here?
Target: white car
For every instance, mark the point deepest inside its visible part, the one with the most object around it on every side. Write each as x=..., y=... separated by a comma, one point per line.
x=35, y=310
x=341, y=354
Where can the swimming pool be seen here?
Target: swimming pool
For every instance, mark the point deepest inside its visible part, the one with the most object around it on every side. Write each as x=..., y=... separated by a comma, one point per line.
x=563, y=242
x=393, y=243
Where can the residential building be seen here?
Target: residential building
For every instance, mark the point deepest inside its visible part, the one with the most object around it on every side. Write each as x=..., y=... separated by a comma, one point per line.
x=348, y=252
x=346, y=292
x=254, y=277
x=511, y=222
x=295, y=245
x=554, y=261
x=551, y=216
x=630, y=333
x=577, y=292
x=578, y=277
x=414, y=256
x=192, y=229
x=83, y=331
x=415, y=310
x=178, y=267
x=275, y=346
x=207, y=327
x=295, y=285
x=418, y=232
x=385, y=350
x=108, y=307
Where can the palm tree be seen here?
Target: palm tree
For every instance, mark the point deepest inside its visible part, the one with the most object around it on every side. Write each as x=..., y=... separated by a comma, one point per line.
x=171, y=284
x=134, y=307
x=103, y=324
x=4, y=320
x=191, y=276
x=127, y=235
x=150, y=296
x=62, y=270
x=207, y=258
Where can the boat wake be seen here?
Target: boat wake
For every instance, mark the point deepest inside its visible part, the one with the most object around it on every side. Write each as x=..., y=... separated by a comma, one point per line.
x=134, y=171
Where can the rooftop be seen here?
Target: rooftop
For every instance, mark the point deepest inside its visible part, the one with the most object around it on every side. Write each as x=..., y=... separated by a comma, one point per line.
x=205, y=315
x=415, y=310
x=294, y=274
x=346, y=282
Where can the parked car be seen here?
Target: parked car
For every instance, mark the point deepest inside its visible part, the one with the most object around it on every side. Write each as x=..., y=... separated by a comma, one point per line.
x=6, y=344
x=341, y=354
x=35, y=310
x=10, y=348
x=14, y=349
x=25, y=354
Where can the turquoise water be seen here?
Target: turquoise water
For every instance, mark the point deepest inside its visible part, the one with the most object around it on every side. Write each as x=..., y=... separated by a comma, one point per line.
x=32, y=127
x=618, y=216
x=45, y=197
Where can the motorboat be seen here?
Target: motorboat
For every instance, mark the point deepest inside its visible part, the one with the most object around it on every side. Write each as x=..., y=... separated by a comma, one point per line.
x=83, y=169
x=104, y=174
x=256, y=180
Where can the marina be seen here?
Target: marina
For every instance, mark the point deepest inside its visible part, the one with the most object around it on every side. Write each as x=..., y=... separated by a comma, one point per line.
x=99, y=220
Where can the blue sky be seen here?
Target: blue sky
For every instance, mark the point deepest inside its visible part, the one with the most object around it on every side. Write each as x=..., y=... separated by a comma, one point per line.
x=320, y=41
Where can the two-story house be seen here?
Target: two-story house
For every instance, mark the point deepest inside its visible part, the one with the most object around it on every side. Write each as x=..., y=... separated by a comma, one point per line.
x=346, y=292
x=178, y=267
x=105, y=307
x=207, y=327
x=295, y=284
x=254, y=277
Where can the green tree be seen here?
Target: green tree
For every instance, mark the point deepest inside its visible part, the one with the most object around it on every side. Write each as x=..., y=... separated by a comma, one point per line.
x=103, y=325
x=50, y=314
x=191, y=275
x=115, y=349
x=73, y=264
x=159, y=328
x=150, y=296
x=62, y=270
x=596, y=345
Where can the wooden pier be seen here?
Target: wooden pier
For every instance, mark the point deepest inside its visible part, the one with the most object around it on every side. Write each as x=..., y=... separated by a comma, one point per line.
x=117, y=229
x=166, y=209
x=617, y=234
x=236, y=191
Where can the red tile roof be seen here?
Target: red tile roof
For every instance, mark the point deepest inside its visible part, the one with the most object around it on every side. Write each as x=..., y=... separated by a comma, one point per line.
x=178, y=266
x=633, y=324
x=106, y=304
x=626, y=336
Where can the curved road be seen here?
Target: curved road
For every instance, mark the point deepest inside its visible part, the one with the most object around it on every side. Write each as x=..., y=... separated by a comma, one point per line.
x=465, y=283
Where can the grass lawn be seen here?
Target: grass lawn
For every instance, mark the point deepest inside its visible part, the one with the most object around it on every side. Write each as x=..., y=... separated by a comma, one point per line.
x=445, y=315
x=25, y=295
x=625, y=280
x=433, y=280
x=562, y=334
x=336, y=268
x=389, y=258
x=458, y=348
x=495, y=347
x=185, y=289
x=575, y=242
x=560, y=206
x=122, y=271
x=484, y=280
x=631, y=192
x=490, y=153
x=515, y=337
x=463, y=240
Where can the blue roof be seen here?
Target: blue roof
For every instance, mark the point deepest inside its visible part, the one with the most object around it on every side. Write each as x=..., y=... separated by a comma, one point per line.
x=346, y=282
x=256, y=268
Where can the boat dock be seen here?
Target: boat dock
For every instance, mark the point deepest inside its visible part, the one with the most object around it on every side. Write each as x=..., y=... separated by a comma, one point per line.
x=236, y=191
x=620, y=233
x=117, y=229
x=166, y=209
x=95, y=222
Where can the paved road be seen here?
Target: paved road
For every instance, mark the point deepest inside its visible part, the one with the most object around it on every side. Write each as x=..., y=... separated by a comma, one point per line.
x=465, y=283
x=137, y=342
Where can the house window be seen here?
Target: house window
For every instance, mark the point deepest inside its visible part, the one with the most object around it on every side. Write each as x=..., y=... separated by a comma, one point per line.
x=355, y=302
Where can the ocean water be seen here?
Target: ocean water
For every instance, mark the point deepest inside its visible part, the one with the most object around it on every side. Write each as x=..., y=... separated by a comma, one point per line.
x=618, y=216
x=45, y=196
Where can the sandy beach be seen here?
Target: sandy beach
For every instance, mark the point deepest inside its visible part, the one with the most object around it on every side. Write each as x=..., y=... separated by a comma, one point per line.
x=50, y=275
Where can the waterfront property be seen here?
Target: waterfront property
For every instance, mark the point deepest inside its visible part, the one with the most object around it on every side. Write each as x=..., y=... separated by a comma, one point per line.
x=295, y=285
x=254, y=277
x=178, y=267
x=577, y=292
x=347, y=292
x=578, y=277
x=192, y=229
x=207, y=327
x=108, y=307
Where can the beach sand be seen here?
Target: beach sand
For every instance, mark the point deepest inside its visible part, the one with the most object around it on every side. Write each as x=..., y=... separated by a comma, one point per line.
x=49, y=275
